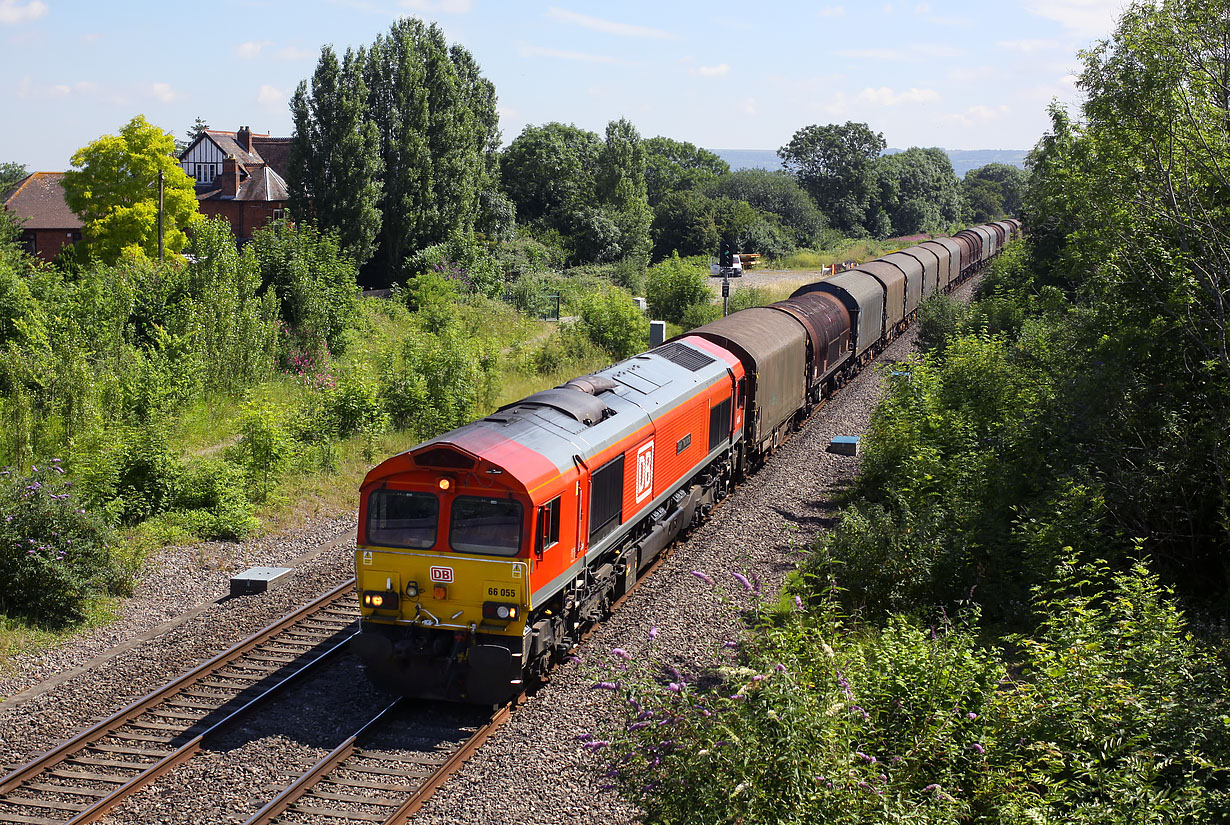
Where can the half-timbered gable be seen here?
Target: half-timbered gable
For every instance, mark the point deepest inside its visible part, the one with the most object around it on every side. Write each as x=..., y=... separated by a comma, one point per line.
x=240, y=176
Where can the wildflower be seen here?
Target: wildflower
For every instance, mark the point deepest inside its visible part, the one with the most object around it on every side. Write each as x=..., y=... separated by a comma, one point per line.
x=870, y=760
x=700, y=575
x=55, y=461
x=845, y=685
x=931, y=787
x=742, y=579
x=621, y=653
x=978, y=749
x=703, y=752
x=798, y=602
x=738, y=697
x=828, y=651
x=584, y=737
x=596, y=744
x=759, y=677
x=730, y=645
x=779, y=667
x=605, y=686
x=972, y=715
x=653, y=633
x=575, y=659
x=860, y=711
x=637, y=726
x=674, y=687
x=740, y=788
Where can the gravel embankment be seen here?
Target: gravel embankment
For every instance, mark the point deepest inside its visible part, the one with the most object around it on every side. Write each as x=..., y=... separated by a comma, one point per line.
x=178, y=617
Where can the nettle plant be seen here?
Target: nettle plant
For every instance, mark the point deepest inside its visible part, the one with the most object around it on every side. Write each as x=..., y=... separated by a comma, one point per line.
x=53, y=553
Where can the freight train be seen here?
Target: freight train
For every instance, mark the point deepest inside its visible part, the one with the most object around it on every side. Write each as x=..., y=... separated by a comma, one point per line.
x=484, y=553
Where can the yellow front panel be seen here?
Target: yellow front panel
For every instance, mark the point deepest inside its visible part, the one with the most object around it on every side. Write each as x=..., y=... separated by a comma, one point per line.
x=467, y=583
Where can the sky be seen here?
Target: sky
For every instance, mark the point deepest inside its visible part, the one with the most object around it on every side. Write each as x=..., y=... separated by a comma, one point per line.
x=721, y=75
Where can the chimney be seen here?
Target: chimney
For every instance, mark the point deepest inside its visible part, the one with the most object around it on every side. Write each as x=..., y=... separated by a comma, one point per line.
x=230, y=176
x=244, y=138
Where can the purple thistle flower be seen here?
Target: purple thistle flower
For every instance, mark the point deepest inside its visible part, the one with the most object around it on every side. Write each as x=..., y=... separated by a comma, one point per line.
x=977, y=748
x=674, y=687
x=700, y=575
x=621, y=653
x=742, y=579
x=653, y=633
x=637, y=726
x=972, y=715
x=738, y=697
x=868, y=759
x=798, y=602
x=605, y=686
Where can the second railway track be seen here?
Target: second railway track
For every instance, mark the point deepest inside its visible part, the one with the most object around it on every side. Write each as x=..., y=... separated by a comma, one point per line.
x=84, y=777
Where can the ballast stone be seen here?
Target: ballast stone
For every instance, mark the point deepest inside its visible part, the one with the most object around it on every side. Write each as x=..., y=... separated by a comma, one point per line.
x=844, y=445
x=258, y=580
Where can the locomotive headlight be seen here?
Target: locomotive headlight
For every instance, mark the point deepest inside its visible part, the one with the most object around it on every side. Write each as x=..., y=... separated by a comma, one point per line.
x=375, y=600
x=502, y=611
x=499, y=612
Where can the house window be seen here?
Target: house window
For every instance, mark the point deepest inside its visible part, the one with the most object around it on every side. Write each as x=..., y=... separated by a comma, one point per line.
x=278, y=214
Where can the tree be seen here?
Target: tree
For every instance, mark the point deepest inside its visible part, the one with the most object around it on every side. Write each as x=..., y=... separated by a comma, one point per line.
x=776, y=193
x=836, y=165
x=114, y=190
x=194, y=132
x=674, y=165
x=436, y=118
x=675, y=285
x=621, y=188
x=993, y=191
x=11, y=174
x=918, y=191
x=335, y=163
x=684, y=223
x=548, y=171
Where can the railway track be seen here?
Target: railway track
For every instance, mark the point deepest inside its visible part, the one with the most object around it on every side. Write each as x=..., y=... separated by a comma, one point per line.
x=366, y=780
x=82, y=778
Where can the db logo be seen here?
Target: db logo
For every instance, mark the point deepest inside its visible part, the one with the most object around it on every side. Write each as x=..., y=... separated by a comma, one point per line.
x=442, y=575
x=644, y=472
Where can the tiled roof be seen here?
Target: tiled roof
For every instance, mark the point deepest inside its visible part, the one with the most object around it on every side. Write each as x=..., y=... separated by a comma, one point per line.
x=275, y=151
x=39, y=200
x=260, y=184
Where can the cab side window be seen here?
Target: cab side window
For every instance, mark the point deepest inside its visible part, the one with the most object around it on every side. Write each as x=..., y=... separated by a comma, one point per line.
x=548, y=525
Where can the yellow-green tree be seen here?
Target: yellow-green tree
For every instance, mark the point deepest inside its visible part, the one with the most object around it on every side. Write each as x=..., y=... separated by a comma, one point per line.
x=113, y=188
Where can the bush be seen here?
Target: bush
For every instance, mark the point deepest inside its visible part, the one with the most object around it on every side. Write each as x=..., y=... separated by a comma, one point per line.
x=940, y=317
x=212, y=501
x=53, y=554
x=614, y=322
x=676, y=284
x=698, y=315
x=263, y=451
x=133, y=476
x=567, y=347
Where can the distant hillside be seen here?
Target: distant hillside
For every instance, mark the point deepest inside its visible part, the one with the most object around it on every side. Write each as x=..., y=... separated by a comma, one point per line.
x=963, y=160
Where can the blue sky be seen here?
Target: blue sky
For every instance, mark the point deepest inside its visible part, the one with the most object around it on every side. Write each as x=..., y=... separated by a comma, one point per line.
x=961, y=75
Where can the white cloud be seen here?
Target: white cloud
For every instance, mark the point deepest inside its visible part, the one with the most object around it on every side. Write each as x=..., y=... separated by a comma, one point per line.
x=1031, y=46
x=885, y=96
x=251, y=50
x=1086, y=18
x=165, y=93
x=832, y=11
x=976, y=115
x=269, y=96
x=563, y=54
x=294, y=53
x=720, y=70
x=438, y=6
x=13, y=12
x=607, y=26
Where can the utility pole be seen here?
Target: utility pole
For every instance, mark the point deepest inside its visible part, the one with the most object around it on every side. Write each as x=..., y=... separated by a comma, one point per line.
x=160, y=215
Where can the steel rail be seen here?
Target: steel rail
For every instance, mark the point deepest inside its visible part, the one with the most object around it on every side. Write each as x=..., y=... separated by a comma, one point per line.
x=113, y=725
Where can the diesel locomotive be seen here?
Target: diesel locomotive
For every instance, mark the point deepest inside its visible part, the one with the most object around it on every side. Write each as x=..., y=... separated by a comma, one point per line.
x=484, y=553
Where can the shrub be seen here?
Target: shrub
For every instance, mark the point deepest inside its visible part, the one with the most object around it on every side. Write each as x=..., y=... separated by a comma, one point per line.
x=698, y=315
x=566, y=347
x=213, y=501
x=614, y=322
x=53, y=553
x=263, y=451
x=676, y=284
x=940, y=317
x=133, y=476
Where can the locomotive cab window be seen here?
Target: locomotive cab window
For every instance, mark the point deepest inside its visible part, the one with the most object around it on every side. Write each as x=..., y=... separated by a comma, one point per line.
x=491, y=526
x=402, y=518
x=742, y=392
x=606, y=499
x=548, y=525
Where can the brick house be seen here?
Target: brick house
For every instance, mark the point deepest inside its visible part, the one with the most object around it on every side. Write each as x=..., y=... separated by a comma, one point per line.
x=239, y=176
x=48, y=224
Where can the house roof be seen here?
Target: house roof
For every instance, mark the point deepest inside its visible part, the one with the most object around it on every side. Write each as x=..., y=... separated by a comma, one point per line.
x=274, y=151
x=260, y=184
x=39, y=202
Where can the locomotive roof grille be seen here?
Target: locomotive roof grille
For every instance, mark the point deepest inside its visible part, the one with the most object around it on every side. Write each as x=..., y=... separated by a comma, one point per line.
x=444, y=457
x=684, y=356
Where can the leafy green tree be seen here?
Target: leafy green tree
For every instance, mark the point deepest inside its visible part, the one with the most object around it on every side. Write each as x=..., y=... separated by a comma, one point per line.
x=549, y=171
x=114, y=190
x=836, y=165
x=436, y=118
x=684, y=222
x=11, y=174
x=197, y=128
x=620, y=187
x=918, y=191
x=675, y=165
x=335, y=165
x=775, y=193
x=612, y=321
x=1003, y=179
